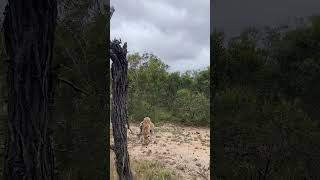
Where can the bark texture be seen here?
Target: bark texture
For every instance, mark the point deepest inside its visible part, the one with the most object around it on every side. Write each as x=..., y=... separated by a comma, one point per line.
x=29, y=36
x=119, y=116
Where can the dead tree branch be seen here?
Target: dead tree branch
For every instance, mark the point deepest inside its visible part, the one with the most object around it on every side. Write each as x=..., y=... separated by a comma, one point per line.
x=119, y=114
x=73, y=86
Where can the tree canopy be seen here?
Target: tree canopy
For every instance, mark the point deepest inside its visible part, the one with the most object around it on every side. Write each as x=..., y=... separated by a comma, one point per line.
x=167, y=96
x=266, y=103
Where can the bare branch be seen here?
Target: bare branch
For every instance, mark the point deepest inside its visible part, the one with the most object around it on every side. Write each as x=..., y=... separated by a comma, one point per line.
x=73, y=86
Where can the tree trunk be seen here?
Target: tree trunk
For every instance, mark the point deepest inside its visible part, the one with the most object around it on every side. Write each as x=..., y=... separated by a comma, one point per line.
x=119, y=108
x=29, y=35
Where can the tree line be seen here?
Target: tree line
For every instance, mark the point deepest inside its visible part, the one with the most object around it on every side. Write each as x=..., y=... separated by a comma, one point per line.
x=167, y=96
x=266, y=103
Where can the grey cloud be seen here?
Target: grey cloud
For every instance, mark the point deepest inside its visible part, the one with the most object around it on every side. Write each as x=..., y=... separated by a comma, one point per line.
x=176, y=32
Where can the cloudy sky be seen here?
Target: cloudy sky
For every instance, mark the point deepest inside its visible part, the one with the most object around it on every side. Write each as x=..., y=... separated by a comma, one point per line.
x=175, y=31
x=234, y=15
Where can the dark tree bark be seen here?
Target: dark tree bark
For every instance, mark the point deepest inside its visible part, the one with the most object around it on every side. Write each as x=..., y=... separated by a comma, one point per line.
x=119, y=116
x=29, y=35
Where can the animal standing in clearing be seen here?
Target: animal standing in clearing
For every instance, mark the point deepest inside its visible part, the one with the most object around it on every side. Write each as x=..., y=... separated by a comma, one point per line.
x=146, y=130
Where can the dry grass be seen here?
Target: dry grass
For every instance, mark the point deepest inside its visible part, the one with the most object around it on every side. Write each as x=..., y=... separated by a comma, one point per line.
x=146, y=170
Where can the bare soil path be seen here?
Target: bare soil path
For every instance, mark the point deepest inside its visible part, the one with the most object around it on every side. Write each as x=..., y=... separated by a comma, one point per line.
x=186, y=150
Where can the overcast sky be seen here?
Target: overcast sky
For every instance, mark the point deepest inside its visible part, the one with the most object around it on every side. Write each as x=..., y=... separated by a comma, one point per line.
x=178, y=32
x=234, y=15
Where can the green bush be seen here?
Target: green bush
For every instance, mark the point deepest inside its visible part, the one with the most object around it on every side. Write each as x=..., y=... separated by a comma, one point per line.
x=278, y=135
x=165, y=96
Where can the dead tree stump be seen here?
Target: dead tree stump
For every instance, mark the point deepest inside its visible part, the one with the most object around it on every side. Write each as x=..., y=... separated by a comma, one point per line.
x=119, y=116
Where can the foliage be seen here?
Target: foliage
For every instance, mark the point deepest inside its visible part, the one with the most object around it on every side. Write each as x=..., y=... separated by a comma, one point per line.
x=192, y=108
x=166, y=96
x=80, y=56
x=266, y=103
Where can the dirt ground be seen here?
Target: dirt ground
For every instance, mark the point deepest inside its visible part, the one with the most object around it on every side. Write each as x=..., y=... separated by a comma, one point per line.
x=186, y=150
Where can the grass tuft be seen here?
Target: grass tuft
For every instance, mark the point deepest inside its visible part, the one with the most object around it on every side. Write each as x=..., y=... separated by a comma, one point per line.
x=147, y=170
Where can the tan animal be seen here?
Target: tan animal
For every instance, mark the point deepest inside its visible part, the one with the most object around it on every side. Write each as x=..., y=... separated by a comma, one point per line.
x=146, y=130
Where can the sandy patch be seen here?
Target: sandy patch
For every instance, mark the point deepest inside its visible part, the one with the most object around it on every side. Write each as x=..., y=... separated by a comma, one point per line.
x=186, y=150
